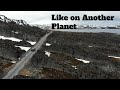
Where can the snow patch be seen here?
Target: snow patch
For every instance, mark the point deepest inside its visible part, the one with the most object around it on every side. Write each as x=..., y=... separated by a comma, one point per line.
x=16, y=32
x=32, y=43
x=90, y=46
x=114, y=57
x=84, y=61
x=74, y=67
x=13, y=61
x=47, y=44
x=10, y=38
x=23, y=48
x=47, y=53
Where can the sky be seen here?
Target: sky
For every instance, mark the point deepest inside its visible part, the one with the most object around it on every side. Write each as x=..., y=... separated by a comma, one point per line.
x=44, y=17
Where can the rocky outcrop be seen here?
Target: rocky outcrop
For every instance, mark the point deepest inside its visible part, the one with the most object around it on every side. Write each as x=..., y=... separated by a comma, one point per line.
x=7, y=20
x=19, y=29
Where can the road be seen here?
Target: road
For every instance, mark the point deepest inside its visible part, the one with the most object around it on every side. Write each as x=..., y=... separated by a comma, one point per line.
x=28, y=55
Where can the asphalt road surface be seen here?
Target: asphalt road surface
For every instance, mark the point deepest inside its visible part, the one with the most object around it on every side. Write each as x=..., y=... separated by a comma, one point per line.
x=27, y=56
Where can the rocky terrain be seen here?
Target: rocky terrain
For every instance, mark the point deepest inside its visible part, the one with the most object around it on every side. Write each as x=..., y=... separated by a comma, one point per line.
x=68, y=55
x=15, y=35
x=98, y=27
x=19, y=29
x=48, y=26
x=64, y=55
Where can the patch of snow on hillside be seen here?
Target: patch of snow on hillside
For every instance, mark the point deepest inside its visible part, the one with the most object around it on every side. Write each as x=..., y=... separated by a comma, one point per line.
x=23, y=48
x=90, y=46
x=84, y=61
x=114, y=57
x=74, y=67
x=13, y=61
x=47, y=44
x=16, y=32
x=47, y=53
x=10, y=38
x=32, y=43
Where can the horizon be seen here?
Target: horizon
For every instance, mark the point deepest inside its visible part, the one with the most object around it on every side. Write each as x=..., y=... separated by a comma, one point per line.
x=44, y=17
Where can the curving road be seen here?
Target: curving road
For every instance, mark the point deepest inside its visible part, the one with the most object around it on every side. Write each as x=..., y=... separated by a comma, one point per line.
x=27, y=56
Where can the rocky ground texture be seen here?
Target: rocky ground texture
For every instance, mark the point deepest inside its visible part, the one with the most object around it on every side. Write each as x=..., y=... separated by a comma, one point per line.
x=66, y=48
x=15, y=29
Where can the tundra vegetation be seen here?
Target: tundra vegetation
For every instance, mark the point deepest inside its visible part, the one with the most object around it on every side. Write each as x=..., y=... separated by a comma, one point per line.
x=66, y=47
